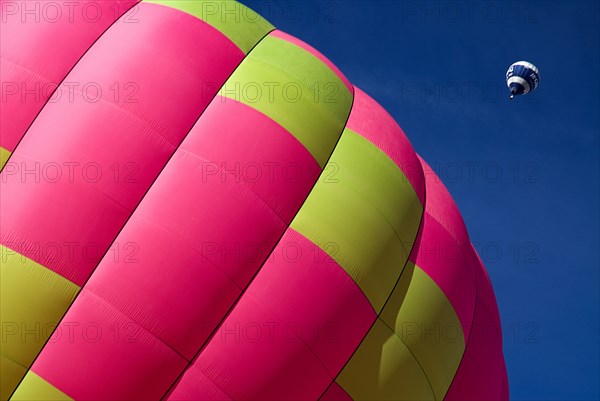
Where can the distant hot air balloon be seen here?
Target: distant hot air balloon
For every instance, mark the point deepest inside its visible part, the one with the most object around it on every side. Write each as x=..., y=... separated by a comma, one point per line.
x=522, y=77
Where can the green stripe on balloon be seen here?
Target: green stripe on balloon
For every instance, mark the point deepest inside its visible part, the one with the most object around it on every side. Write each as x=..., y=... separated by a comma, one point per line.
x=236, y=21
x=4, y=155
x=35, y=388
x=423, y=317
x=383, y=368
x=23, y=282
x=414, y=348
x=365, y=214
x=311, y=102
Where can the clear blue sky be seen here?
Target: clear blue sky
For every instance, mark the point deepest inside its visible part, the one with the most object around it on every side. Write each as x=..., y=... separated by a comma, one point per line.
x=525, y=173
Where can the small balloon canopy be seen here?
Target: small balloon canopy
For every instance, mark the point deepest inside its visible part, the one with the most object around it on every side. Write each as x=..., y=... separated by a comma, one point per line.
x=522, y=77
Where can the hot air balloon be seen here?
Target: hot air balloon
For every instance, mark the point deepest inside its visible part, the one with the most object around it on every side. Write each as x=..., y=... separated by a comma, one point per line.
x=522, y=77
x=216, y=212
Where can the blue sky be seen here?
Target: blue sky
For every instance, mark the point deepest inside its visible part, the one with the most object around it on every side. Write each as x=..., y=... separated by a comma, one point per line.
x=525, y=173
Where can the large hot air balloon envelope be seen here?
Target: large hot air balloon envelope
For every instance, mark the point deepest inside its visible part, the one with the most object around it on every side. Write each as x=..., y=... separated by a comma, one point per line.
x=204, y=207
